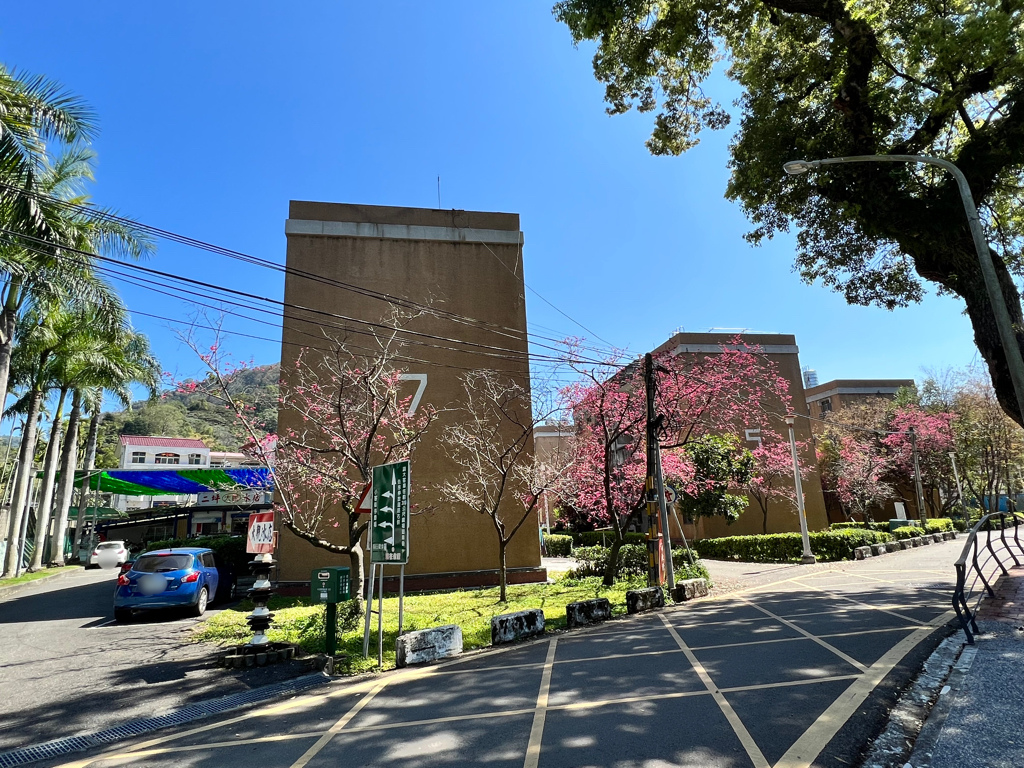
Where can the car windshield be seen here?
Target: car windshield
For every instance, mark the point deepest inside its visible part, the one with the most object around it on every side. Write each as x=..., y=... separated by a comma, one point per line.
x=162, y=563
x=110, y=545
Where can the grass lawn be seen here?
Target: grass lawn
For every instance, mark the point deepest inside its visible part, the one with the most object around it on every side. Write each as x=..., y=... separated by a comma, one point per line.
x=297, y=621
x=37, y=575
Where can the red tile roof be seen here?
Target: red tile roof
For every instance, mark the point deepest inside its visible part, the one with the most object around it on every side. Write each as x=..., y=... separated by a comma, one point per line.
x=162, y=442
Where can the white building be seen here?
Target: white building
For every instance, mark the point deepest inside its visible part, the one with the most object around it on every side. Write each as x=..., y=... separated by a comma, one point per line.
x=155, y=452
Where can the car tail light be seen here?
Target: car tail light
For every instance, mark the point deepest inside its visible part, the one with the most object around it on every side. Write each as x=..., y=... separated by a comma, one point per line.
x=194, y=576
x=95, y=552
x=123, y=580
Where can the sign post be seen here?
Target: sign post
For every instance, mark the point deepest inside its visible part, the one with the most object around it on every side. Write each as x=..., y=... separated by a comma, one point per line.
x=388, y=541
x=260, y=542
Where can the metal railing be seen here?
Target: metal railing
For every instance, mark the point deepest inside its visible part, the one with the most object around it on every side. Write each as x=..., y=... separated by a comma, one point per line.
x=992, y=543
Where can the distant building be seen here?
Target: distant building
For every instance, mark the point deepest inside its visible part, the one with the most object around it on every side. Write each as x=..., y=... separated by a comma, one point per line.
x=842, y=393
x=158, y=452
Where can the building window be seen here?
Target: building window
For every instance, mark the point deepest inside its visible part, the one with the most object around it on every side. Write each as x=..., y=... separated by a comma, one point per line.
x=138, y=457
x=167, y=458
x=825, y=405
x=195, y=458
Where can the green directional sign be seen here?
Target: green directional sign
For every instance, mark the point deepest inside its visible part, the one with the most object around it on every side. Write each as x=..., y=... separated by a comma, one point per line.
x=389, y=515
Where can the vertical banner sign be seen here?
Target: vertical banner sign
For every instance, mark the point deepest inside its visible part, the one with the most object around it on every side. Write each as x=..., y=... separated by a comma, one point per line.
x=261, y=533
x=389, y=517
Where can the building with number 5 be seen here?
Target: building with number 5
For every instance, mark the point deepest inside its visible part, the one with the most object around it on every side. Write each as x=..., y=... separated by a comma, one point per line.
x=348, y=267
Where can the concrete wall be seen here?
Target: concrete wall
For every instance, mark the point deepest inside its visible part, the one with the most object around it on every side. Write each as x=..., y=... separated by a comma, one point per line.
x=463, y=262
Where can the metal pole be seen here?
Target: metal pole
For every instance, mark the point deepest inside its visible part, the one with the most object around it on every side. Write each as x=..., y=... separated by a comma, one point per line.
x=401, y=598
x=917, y=477
x=1011, y=348
x=652, y=516
x=959, y=488
x=808, y=556
x=380, y=617
x=666, y=538
x=331, y=620
x=369, y=610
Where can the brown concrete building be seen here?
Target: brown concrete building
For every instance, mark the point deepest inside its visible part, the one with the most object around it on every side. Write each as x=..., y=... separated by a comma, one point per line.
x=839, y=393
x=468, y=266
x=782, y=350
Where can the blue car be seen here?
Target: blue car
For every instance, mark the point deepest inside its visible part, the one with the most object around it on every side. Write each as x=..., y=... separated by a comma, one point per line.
x=167, y=578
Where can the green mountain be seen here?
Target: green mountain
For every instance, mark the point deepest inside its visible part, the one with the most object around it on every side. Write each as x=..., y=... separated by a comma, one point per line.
x=181, y=414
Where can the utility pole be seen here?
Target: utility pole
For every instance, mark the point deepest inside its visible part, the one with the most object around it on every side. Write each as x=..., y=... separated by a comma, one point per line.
x=657, y=509
x=917, y=477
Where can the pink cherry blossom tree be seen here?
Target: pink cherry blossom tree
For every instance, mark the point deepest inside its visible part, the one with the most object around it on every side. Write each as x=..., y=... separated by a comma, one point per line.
x=772, y=478
x=698, y=395
x=348, y=411
x=934, y=436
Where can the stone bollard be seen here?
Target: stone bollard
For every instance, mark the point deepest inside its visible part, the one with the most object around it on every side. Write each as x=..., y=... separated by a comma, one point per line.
x=689, y=589
x=588, y=612
x=510, y=627
x=878, y=549
x=937, y=537
x=862, y=553
x=646, y=599
x=428, y=645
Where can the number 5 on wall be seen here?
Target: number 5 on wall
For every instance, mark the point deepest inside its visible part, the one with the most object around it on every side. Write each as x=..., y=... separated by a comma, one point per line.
x=422, y=379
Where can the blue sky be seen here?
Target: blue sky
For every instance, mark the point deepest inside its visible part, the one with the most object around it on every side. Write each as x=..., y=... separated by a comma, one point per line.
x=214, y=115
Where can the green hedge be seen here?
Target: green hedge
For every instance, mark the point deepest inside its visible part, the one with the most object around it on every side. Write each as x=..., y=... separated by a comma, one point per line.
x=594, y=538
x=907, y=532
x=881, y=527
x=827, y=546
x=938, y=525
x=229, y=548
x=592, y=561
x=558, y=545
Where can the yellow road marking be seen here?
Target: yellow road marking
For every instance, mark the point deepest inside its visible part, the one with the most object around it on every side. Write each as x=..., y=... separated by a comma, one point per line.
x=856, y=633
x=814, y=739
x=845, y=657
x=345, y=719
x=880, y=609
x=540, y=713
x=753, y=751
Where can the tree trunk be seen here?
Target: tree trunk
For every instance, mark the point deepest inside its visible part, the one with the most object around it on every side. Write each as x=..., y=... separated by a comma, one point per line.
x=8, y=324
x=613, y=559
x=503, y=572
x=65, y=489
x=49, y=475
x=355, y=557
x=88, y=464
x=22, y=484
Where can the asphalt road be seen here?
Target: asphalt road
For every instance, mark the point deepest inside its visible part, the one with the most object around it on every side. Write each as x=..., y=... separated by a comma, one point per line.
x=67, y=668
x=795, y=673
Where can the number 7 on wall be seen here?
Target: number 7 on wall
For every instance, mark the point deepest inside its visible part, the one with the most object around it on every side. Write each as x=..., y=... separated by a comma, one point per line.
x=422, y=385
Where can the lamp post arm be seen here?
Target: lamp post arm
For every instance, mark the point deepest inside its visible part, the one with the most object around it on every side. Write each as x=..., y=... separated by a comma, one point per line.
x=1004, y=325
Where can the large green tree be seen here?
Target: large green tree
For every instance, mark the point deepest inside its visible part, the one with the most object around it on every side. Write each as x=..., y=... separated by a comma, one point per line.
x=827, y=78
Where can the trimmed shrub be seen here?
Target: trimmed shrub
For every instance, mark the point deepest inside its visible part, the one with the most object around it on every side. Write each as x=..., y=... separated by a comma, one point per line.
x=938, y=525
x=907, y=532
x=604, y=538
x=591, y=561
x=787, y=547
x=558, y=545
x=872, y=526
x=686, y=567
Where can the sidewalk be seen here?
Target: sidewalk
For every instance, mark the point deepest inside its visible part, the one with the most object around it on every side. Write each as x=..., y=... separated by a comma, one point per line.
x=982, y=718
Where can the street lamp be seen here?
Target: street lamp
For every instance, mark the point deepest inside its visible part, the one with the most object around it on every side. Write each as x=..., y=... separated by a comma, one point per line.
x=1011, y=349
x=808, y=556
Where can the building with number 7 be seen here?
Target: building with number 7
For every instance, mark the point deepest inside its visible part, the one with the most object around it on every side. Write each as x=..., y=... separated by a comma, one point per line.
x=354, y=263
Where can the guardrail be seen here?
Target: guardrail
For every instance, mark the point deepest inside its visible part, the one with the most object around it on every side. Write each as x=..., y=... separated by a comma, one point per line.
x=980, y=561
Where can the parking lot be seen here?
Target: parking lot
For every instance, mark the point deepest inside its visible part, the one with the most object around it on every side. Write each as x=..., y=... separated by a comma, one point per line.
x=778, y=675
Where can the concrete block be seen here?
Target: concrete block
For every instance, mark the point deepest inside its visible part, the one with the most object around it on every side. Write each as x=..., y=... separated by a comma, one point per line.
x=937, y=537
x=688, y=589
x=878, y=549
x=893, y=546
x=916, y=541
x=925, y=540
x=428, y=645
x=646, y=599
x=906, y=544
x=949, y=535
x=510, y=627
x=862, y=553
x=588, y=612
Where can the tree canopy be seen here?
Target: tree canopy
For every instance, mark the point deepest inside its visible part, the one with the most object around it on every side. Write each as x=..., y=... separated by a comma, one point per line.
x=828, y=78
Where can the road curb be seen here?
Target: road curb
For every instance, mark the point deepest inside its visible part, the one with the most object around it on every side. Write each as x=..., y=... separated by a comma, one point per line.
x=12, y=589
x=188, y=714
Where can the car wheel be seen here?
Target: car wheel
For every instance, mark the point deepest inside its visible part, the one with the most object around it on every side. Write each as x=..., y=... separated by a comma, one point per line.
x=122, y=615
x=200, y=607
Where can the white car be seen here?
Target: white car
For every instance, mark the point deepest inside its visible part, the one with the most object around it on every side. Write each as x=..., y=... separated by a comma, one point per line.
x=109, y=554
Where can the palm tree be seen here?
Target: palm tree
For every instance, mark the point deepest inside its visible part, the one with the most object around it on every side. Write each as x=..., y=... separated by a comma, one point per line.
x=111, y=362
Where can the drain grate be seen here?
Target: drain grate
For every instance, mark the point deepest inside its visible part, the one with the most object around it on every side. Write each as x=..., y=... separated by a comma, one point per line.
x=58, y=747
